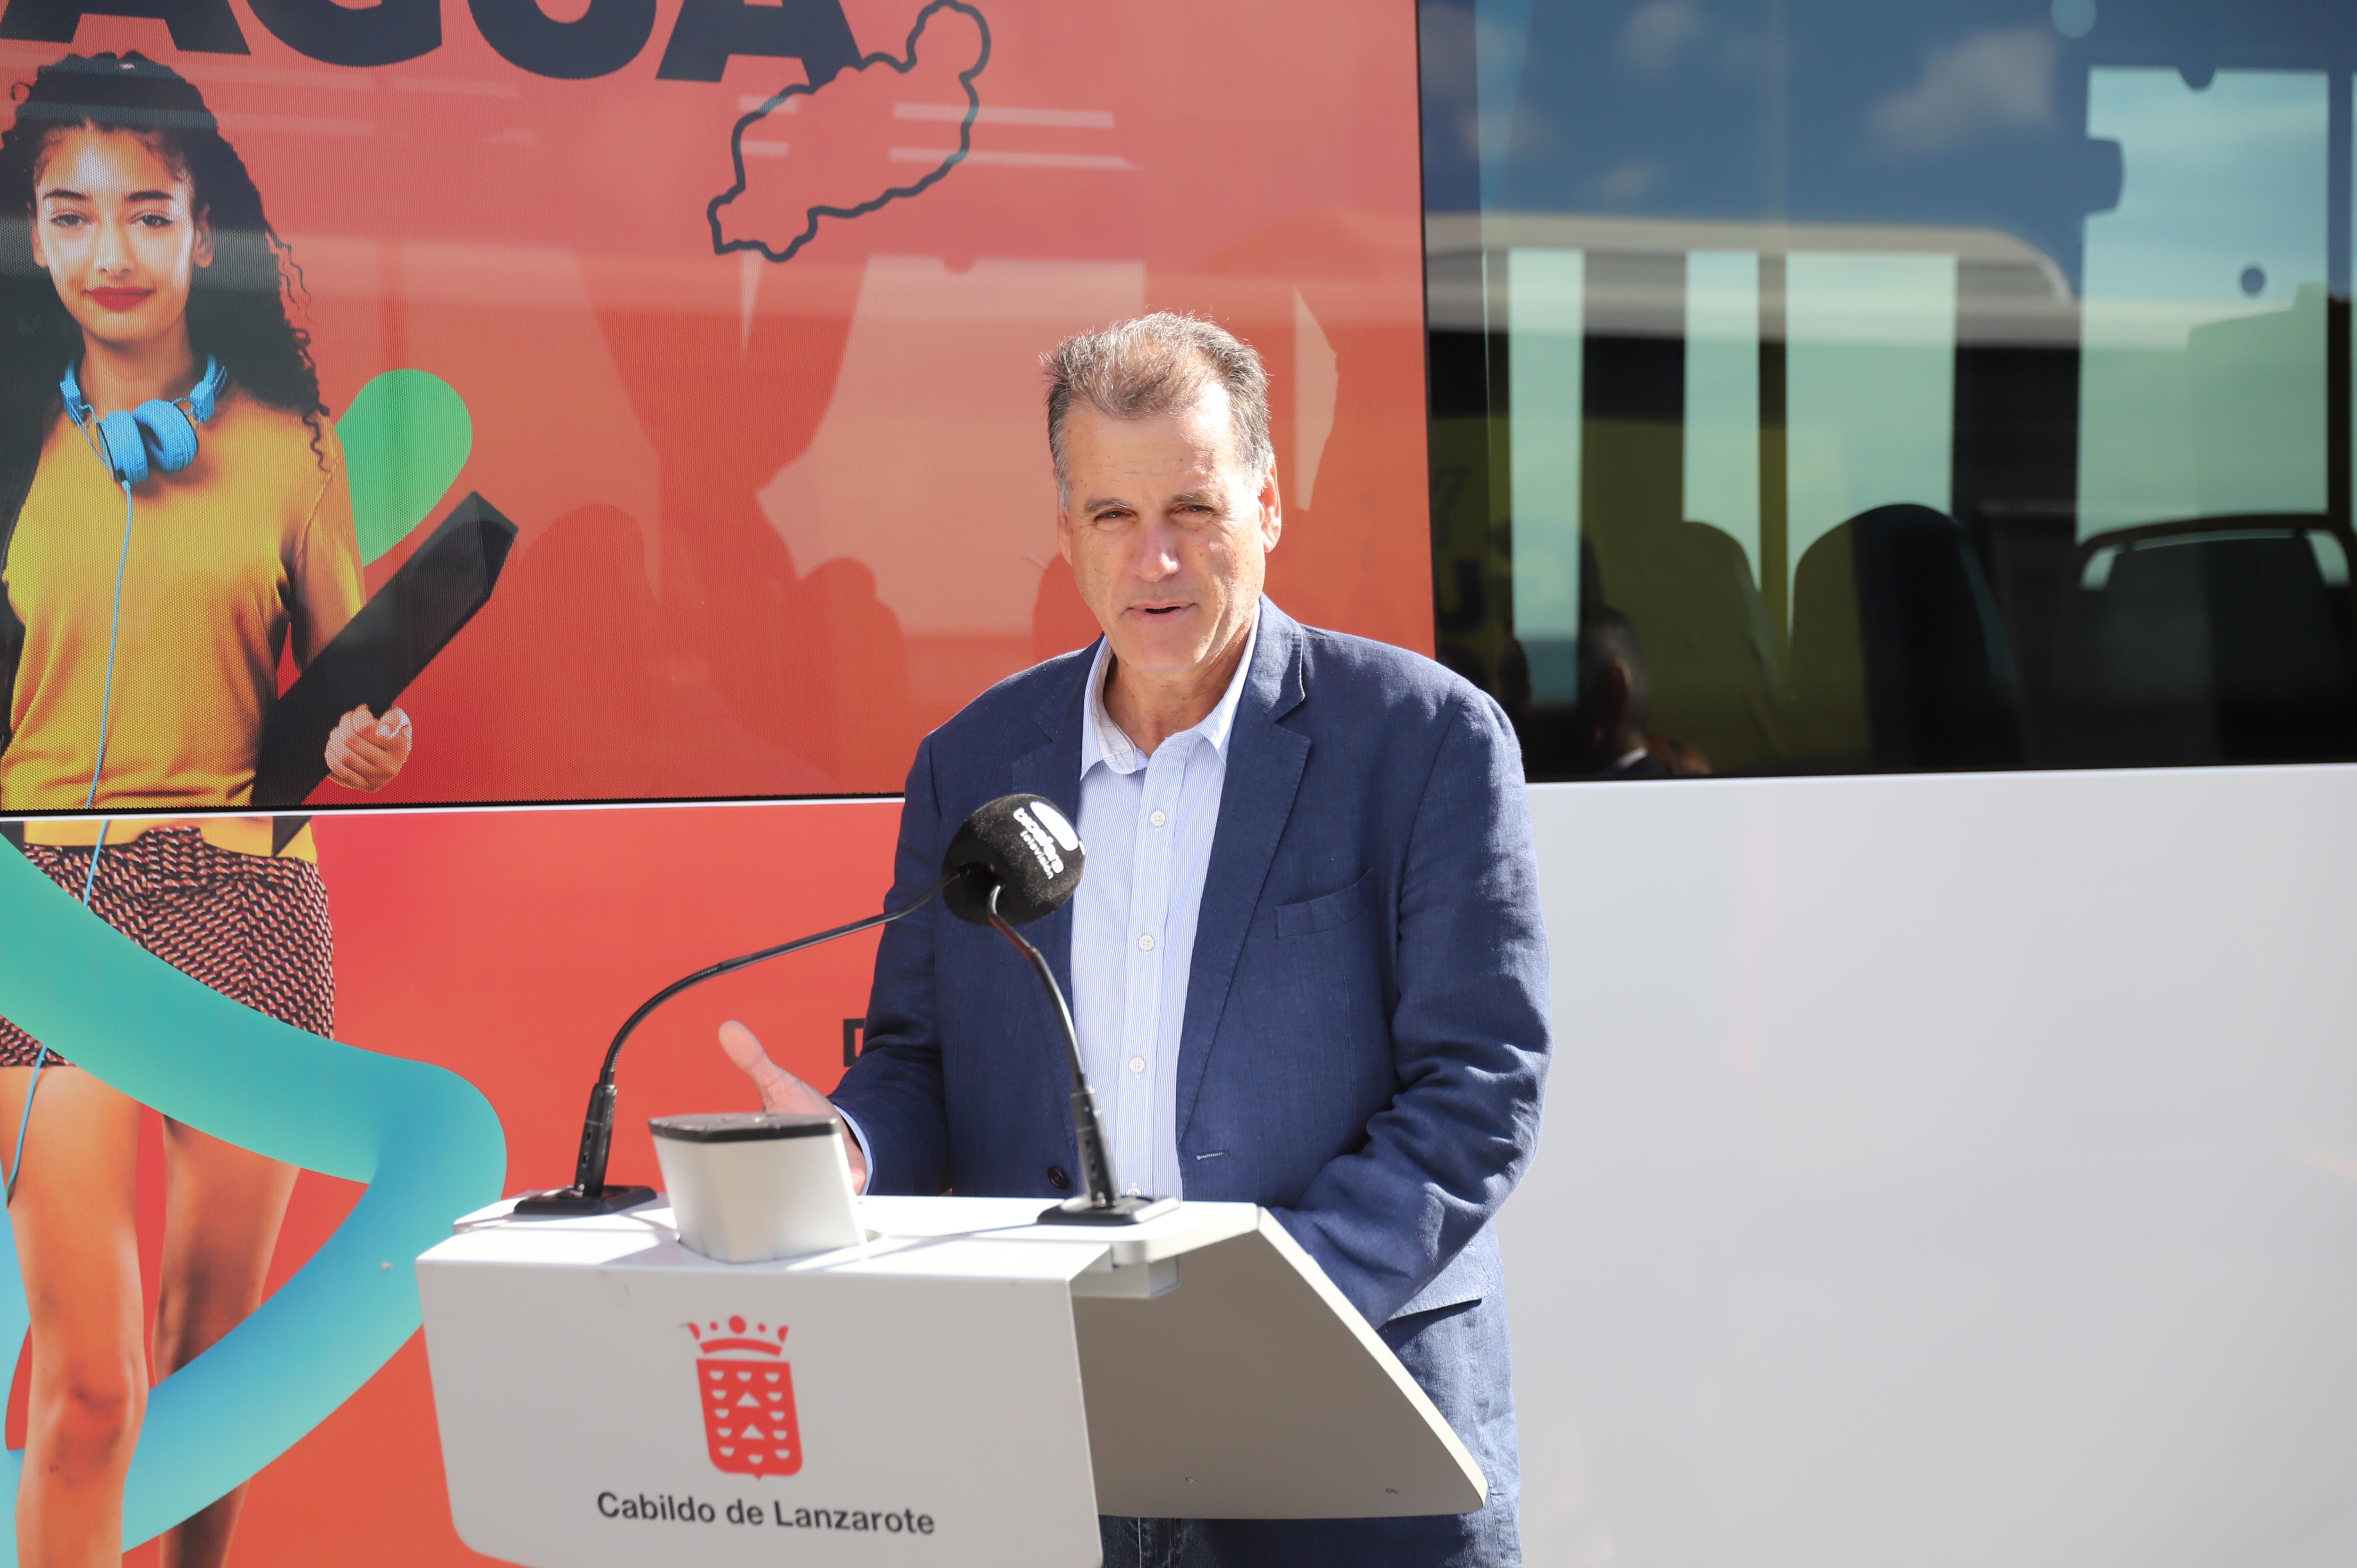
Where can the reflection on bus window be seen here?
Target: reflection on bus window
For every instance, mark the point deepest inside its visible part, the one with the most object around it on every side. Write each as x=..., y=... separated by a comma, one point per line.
x=1958, y=391
x=2201, y=359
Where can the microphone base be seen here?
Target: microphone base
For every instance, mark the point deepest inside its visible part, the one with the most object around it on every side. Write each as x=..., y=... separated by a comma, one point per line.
x=572, y=1200
x=1120, y=1211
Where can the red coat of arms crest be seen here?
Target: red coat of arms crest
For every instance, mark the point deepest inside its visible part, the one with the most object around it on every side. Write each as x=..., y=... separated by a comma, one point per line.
x=747, y=1393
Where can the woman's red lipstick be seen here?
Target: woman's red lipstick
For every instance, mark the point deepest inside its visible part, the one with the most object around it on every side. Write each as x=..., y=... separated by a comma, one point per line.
x=120, y=299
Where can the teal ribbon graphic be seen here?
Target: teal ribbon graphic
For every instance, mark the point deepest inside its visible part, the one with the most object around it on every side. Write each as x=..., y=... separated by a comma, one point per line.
x=426, y=1141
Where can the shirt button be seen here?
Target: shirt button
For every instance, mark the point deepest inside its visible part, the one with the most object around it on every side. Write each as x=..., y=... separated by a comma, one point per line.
x=1137, y=1064
x=1146, y=943
x=1157, y=819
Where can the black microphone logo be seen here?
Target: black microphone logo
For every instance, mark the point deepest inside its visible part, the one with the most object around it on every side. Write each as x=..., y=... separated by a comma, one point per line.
x=1023, y=848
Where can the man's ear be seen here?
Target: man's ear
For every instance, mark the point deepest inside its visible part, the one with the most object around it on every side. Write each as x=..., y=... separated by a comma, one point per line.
x=1271, y=507
x=202, y=254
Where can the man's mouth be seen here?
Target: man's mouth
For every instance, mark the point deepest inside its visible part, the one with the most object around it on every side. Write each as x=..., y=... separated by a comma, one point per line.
x=120, y=299
x=1158, y=609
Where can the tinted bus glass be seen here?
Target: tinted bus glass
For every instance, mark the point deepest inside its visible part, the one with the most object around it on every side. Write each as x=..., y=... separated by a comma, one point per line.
x=1834, y=387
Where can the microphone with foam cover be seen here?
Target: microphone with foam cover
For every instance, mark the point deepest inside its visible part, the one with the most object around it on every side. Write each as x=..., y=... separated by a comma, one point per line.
x=1021, y=845
x=1017, y=859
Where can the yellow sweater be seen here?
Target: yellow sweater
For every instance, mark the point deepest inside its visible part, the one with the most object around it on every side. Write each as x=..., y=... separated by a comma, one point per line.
x=250, y=544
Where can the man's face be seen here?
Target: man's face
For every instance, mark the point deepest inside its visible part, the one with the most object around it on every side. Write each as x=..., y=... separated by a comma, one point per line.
x=1167, y=532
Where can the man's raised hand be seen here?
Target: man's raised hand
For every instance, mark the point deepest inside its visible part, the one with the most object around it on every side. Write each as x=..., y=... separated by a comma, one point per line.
x=782, y=1091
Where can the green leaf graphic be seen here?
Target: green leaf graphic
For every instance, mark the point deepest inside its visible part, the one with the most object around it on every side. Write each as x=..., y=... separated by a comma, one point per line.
x=406, y=437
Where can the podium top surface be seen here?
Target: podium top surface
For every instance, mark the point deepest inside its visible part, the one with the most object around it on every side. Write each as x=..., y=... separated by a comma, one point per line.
x=960, y=1237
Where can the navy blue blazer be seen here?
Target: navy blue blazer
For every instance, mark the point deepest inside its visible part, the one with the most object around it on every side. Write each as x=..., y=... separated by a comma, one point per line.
x=1366, y=1032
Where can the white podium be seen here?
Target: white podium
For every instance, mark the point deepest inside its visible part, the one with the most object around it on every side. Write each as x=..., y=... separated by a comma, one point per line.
x=967, y=1388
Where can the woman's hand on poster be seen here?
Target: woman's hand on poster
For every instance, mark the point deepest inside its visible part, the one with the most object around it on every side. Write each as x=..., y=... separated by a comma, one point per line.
x=365, y=752
x=782, y=1091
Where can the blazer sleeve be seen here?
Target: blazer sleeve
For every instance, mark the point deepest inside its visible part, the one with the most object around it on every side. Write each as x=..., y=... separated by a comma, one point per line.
x=1469, y=1034
x=894, y=1090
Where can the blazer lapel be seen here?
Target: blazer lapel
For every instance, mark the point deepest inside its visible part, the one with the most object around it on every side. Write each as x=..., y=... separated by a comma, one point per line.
x=1263, y=772
x=1053, y=770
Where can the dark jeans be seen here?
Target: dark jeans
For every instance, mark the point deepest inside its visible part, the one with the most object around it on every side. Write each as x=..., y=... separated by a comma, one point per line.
x=1152, y=1543
x=1442, y=1342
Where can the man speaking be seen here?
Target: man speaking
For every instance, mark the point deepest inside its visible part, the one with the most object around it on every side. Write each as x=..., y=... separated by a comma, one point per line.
x=1305, y=960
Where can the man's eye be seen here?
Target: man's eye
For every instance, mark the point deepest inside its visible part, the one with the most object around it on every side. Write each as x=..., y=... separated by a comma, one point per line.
x=154, y=219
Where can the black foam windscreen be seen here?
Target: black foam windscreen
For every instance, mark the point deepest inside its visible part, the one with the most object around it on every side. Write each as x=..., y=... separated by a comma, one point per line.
x=1020, y=844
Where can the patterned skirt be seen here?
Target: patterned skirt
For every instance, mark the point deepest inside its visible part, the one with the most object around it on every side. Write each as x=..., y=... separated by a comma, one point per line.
x=253, y=927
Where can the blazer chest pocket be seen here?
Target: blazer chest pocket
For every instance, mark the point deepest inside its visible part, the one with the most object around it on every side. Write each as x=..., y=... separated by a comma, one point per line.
x=1324, y=913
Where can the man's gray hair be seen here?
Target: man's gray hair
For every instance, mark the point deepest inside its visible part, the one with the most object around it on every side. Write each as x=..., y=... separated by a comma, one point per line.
x=1152, y=365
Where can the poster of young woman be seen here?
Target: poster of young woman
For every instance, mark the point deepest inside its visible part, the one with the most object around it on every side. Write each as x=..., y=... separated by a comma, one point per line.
x=733, y=309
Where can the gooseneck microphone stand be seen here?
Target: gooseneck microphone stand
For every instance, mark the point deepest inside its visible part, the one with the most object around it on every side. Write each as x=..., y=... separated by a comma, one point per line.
x=1102, y=1205
x=589, y=1194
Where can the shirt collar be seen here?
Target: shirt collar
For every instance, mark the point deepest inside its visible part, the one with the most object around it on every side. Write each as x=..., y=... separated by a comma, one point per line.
x=1101, y=740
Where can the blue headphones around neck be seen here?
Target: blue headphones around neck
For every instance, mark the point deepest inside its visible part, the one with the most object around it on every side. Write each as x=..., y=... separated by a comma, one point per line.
x=156, y=434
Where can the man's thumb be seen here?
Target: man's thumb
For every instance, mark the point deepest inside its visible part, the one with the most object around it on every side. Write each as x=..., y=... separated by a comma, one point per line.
x=743, y=1048
x=780, y=1090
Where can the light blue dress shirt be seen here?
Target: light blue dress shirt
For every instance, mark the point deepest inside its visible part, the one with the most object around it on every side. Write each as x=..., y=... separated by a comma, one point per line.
x=1147, y=825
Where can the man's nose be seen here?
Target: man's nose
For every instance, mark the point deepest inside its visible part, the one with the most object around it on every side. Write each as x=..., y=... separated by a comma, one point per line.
x=1157, y=552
